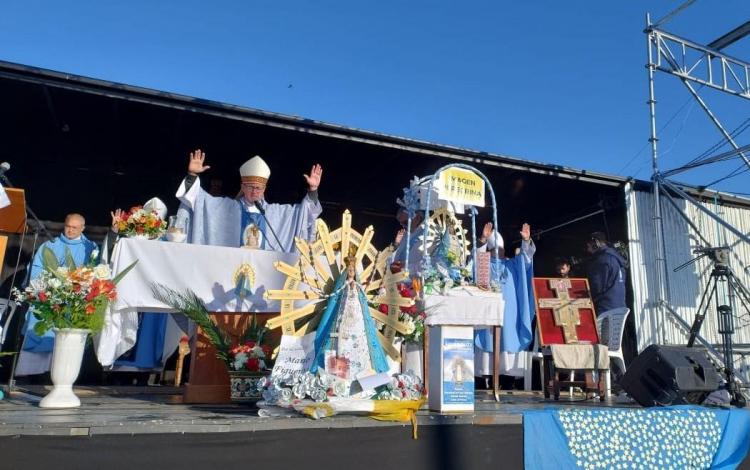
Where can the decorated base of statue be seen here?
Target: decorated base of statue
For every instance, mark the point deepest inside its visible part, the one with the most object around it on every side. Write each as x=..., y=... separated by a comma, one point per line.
x=66, y=364
x=246, y=386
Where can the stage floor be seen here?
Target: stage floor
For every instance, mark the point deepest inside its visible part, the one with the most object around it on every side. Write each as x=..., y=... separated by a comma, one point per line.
x=147, y=427
x=148, y=410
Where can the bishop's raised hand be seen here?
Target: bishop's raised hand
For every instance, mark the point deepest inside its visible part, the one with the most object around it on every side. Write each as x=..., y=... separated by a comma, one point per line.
x=313, y=179
x=195, y=166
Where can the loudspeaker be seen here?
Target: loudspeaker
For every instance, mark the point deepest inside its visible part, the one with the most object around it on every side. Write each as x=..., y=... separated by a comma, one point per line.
x=670, y=375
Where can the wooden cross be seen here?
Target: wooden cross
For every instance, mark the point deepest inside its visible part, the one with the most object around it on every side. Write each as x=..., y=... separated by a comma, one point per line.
x=565, y=308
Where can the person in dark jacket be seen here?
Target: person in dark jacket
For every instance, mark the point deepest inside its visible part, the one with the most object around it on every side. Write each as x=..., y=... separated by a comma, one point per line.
x=606, y=274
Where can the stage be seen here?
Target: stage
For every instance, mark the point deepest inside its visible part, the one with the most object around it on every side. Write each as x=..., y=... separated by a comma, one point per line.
x=128, y=427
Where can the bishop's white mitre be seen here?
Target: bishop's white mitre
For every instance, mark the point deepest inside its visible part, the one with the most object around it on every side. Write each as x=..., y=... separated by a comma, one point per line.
x=157, y=205
x=255, y=169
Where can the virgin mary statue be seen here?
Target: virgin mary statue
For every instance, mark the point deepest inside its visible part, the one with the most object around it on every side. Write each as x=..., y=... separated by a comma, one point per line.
x=346, y=343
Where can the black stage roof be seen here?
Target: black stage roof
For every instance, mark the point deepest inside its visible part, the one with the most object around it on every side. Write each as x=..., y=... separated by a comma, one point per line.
x=78, y=144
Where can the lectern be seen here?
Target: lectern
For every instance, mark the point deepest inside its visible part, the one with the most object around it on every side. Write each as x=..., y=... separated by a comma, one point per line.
x=12, y=218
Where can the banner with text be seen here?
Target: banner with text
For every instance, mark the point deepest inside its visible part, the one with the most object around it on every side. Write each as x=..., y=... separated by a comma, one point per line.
x=296, y=354
x=461, y=186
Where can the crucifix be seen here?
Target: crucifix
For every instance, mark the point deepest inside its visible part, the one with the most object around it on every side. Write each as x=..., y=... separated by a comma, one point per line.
x=565, y=309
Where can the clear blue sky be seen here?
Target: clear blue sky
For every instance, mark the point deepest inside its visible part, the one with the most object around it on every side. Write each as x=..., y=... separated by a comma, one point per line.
x=560, y=82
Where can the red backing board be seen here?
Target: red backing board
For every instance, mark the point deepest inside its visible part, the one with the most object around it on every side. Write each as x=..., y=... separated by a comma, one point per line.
x=551, y=333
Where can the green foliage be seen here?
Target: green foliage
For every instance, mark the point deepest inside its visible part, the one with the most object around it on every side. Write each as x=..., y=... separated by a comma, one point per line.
x=190, y=305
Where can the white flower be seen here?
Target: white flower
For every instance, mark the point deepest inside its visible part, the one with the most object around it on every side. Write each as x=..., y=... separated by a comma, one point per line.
x=102, y=272
x=286, y=394
x=409, y=325
x=55, y=283
x=239, y=361
x=258, y=352
x=38, y=284
x=63, y=271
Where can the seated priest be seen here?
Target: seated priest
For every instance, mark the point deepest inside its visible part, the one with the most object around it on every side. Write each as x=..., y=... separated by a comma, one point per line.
x=36, y=352
x=514, y=277
x=234, y=222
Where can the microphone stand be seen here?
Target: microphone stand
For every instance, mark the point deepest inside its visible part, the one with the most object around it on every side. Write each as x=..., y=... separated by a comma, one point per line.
x=40, y=225
x=262, y=211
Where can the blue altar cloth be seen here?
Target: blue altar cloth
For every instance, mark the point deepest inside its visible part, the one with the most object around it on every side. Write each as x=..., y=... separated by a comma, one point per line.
x=670, y=437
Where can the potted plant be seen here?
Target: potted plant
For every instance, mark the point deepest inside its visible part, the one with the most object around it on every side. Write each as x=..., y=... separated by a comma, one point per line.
x=71, y=301
x=248, y=359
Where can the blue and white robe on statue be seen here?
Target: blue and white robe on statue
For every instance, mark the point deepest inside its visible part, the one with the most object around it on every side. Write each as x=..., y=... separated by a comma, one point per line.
x=221, y=221
x=36, y=352
x=516, y=277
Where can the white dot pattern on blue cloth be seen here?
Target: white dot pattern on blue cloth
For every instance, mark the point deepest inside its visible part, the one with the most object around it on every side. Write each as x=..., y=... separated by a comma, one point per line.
x=641, y=439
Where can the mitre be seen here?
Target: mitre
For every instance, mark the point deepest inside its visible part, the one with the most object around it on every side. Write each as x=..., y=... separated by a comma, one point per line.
x=255, y=170
x=157, y=205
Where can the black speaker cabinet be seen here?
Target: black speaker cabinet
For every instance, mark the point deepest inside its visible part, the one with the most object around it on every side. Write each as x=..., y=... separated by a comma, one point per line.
x=670, y=375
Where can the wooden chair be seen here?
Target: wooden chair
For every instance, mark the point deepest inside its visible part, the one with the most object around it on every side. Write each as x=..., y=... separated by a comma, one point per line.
x=567, y=330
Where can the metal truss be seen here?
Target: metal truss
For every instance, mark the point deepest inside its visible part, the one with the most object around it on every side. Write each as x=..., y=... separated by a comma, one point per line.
x=709, y=67
x=706, y=65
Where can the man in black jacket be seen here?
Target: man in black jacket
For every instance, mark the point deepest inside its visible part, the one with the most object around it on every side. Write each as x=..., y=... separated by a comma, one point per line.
x=606, y=274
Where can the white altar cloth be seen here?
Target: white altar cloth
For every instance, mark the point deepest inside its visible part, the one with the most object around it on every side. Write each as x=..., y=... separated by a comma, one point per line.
x=209, y=271
x=465, y=306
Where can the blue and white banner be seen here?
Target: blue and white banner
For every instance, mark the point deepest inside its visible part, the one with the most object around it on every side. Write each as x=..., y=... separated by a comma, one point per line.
x=671, y=437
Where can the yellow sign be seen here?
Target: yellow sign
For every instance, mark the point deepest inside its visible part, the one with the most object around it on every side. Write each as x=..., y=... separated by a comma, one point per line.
x=461, y=186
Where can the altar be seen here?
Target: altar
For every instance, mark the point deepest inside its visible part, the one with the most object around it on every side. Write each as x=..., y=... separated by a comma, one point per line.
x=212, y=272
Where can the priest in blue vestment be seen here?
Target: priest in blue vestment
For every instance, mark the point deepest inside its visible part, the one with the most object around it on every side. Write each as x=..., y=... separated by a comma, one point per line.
x=515, y=276
x=249, y=220
x=83, y=251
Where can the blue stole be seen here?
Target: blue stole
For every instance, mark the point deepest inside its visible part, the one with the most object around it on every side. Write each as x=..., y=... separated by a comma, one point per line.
x=328, y=321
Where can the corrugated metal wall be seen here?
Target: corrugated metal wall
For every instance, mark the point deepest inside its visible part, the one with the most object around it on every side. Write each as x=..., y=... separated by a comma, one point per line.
x=685, y=287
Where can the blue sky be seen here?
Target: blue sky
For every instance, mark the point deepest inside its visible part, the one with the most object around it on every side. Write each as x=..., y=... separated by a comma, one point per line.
x=551, y=81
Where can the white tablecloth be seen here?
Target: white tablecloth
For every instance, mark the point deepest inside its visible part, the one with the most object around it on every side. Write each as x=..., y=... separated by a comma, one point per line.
x=206, y=270
x=465, y=306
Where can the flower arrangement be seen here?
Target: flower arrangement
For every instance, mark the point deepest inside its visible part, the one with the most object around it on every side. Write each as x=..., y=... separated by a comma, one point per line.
x=412, y=317
x=69, y=296
x=140, y=222
x=251, y=354
x=320, y=387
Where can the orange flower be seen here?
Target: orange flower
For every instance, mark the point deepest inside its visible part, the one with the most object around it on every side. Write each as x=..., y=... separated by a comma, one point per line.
x=90, y=309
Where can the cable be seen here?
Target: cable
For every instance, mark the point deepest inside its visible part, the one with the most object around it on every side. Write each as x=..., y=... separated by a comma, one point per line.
x=646, y=145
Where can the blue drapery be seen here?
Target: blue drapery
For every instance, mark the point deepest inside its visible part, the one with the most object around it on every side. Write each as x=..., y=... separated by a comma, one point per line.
x=649, y=438
x=516, y=277
x=149, y=345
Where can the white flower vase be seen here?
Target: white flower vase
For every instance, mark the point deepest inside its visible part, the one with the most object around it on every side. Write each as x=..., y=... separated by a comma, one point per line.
x=412, y=358
x=66, y=364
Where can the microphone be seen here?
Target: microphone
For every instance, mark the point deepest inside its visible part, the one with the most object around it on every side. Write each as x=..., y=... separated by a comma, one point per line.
x=262, y=211
x=257, y=204
x=4, y=166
